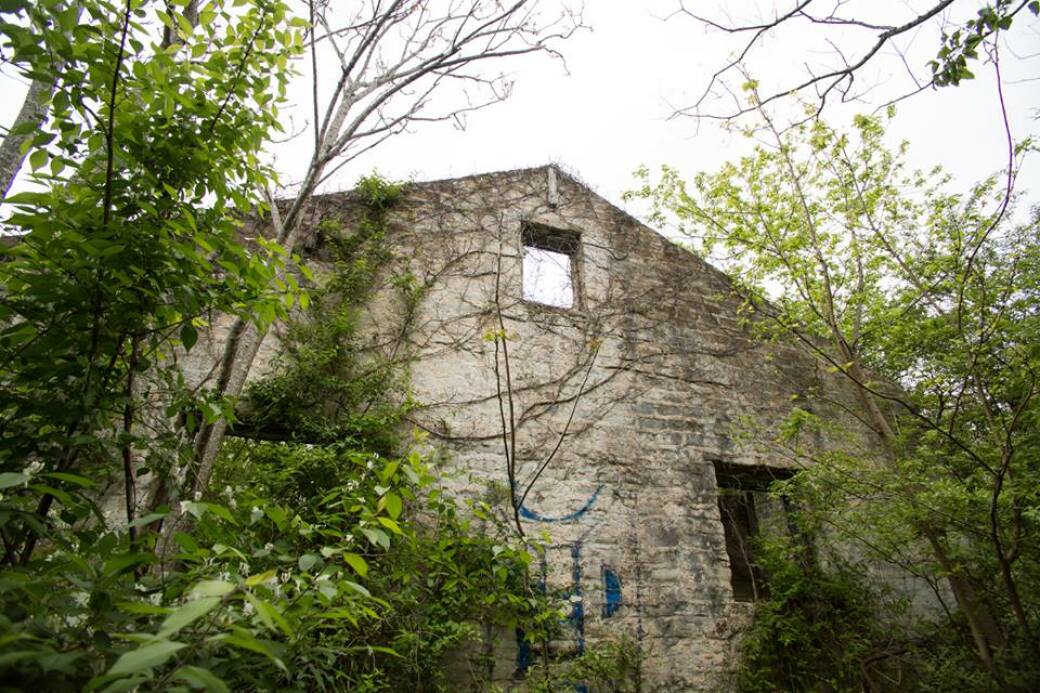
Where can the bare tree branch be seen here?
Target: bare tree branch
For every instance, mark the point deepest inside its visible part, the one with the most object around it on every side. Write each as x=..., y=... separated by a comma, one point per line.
x=820, y=87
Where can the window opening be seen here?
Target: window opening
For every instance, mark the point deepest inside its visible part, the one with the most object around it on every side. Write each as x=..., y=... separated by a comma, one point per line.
x=550, y=268
x=737, y=509
x=744, y=502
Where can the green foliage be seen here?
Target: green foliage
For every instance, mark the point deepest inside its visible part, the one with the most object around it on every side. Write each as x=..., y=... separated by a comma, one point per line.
x=608, y=666
x=817, y=628
x=920, y=306
x=316, y=568
x=429, y=576
x=829, y=625
x=961, y=46
x=328, y=385
x=153, y=155
x=330, y=566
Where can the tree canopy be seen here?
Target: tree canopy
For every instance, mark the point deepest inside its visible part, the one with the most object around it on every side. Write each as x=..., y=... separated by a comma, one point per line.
x=924, y=301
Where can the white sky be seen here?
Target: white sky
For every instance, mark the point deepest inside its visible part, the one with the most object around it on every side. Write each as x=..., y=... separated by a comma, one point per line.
x=609, y=115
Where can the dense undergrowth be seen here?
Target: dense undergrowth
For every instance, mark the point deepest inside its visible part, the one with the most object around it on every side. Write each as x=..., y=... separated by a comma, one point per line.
x=830, y=623
x=326, y=561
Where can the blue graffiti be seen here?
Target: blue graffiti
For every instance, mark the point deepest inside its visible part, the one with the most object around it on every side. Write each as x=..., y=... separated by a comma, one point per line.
x=576, y=618
x=523, y=647
x=611, y=592
x=528, y=514
x=523, y=651
x=577, y=615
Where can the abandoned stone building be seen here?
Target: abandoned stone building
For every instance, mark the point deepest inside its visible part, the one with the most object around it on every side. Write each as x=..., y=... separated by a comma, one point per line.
x=625, y=366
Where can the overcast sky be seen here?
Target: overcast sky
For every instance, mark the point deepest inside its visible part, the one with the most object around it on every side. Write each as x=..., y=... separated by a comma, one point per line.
x=608, y=113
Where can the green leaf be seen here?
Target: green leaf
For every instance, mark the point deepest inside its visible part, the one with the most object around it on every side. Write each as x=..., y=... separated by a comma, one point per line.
x=243, y=639
x=146, y=608
x=211, y=588
x=187, y=542
x=357, y=588
x=38, y=159
x=356, y=562
x=393, y=504
x=197, y=677
x=391, y=525
x=307, y=561
x=146, y=657
x=9, y=479
x=377, y=537
x=276, y=514
x=123, y=562
x=187, y=613
x=81, y=481
x=254, y=580
x=389, y=470
x=270, y=615
x=147, y=519
x=189, y=335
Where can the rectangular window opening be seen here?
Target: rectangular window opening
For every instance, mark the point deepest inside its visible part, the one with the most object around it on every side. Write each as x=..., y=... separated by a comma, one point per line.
x=550, y=267
x=737, y=509
x=743, y=497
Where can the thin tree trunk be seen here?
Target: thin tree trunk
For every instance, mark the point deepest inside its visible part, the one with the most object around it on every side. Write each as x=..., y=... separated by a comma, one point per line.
x=240, y=351
x=986, y=630
x=190, y=12
x=34, y=111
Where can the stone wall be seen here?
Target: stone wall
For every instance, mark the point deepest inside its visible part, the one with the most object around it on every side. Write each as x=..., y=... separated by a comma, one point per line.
x=643, y=385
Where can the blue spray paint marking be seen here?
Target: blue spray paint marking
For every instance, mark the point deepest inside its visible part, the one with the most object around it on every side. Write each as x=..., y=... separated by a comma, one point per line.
x=523, y=651
x=538, y=517
x=611, y=592
x=577, y=617
x=523, y=647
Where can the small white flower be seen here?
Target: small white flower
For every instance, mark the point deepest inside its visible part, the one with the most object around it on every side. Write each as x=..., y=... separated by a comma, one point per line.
x=285, y=576
x=33, y=468
x=268, y=546
x=198, y=496
x=248, y=609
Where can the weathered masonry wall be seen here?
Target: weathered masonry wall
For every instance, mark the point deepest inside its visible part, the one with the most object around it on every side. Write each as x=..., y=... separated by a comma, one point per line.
x=652, y=365
x=630, y=499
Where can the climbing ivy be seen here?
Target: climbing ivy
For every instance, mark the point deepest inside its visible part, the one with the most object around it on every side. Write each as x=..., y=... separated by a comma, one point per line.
x=327, y=385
